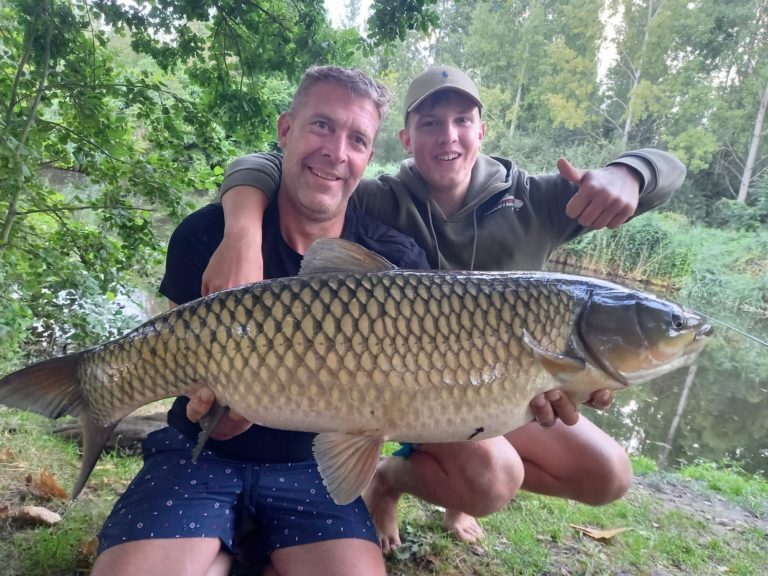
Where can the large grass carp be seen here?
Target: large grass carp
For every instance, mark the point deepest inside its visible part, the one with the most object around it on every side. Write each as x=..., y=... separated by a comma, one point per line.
x=361, y=353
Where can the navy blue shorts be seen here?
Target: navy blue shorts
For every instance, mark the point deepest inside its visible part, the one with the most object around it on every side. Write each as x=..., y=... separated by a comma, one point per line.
x=286, y=504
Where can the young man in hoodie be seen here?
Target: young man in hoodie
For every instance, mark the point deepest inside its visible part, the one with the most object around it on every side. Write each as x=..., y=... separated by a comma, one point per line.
x=474, y=212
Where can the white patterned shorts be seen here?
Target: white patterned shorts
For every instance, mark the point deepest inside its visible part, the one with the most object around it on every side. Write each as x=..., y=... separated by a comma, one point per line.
x=286, y=504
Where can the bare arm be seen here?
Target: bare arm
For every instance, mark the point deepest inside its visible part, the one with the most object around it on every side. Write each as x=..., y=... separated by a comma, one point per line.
x=238, y=258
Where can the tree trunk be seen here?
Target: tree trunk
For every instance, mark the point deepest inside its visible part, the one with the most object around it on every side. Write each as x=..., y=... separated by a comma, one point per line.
x=516, y=113
x=662, y=462
x=10, y=216
x=749, y=165
x=638, y=72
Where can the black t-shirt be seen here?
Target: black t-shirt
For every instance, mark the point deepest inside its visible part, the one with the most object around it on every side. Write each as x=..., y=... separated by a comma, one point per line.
x=191, y=246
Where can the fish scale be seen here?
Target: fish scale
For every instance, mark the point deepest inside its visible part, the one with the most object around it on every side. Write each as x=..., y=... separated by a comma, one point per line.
x=360, y=353
x=333, y=333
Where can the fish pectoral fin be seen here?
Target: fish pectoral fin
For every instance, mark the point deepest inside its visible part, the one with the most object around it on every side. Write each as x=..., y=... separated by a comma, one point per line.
x=346, y=462
x=208, y=423
x=338, y=255
x=562, y=368
x=94, y=439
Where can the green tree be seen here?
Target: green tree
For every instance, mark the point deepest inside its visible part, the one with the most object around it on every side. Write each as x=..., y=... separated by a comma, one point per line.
x=537, y=65
x=507, y=42
x=745, y=98
x=142, y=139
x=715, y=120
x=644, y=46
x=65, y=103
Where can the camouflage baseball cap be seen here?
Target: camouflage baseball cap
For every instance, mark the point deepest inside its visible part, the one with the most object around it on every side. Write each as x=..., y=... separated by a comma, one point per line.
x=439, y=78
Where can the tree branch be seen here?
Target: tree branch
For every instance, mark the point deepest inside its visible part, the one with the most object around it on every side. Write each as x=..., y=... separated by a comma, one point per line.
x=19, y=73
x=145, y=86
x=41, y=84
x=10, y=214
x=85, y=207
x=87, y=141
x=606, y=115
x=272, y=17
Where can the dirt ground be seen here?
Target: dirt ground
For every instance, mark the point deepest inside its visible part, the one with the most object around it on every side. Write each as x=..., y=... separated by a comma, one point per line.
x=719, y=513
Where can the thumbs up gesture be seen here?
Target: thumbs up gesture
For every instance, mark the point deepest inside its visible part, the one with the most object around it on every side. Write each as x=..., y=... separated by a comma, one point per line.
x=607, y=197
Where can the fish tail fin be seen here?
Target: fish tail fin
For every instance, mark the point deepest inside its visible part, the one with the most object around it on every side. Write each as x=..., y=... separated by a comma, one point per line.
x=50, y=388
x=94, y=439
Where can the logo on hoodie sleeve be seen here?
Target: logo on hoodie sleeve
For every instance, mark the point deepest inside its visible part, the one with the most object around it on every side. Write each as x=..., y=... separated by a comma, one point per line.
x=507, y=201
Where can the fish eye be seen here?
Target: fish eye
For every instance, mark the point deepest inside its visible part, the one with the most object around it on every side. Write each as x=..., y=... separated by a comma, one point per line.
x=678, y=322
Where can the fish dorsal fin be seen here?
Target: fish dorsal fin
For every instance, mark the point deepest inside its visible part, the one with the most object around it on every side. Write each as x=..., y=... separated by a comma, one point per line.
x=338, y=255
x=346, y=462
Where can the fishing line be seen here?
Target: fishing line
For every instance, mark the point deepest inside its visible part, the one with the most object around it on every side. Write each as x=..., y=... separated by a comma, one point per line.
x=732, y=327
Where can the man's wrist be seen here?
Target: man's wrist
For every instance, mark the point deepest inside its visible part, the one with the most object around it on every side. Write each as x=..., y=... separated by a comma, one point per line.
x=637, y=168
x=244, y=208
x=632, y=172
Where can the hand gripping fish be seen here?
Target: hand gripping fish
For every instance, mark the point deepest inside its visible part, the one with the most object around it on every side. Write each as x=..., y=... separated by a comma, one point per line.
x=362, y=353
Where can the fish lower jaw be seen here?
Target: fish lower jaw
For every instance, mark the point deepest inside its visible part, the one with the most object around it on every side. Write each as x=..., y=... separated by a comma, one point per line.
x=649, y=374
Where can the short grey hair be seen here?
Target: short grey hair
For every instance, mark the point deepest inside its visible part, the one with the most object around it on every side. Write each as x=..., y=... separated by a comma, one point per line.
x=357, y=81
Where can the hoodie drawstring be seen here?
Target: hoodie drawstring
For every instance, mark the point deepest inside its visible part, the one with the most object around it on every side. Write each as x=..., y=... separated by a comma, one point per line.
x=434, y=235
x=474, y=239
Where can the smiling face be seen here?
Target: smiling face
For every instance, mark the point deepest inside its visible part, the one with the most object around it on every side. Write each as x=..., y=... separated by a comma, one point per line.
x=327, y=142
x=444, y=135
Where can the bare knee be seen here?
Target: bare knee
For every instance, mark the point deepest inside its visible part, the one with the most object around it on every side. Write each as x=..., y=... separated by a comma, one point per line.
x=189, y=556
x=347, y=557
x=491, y=480
x=615, y=473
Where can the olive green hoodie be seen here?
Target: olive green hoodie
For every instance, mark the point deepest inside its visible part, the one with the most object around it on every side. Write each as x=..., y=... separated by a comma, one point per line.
x=510, y=220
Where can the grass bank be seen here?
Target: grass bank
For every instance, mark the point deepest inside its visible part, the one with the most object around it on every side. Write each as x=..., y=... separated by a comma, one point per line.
x=702, y=519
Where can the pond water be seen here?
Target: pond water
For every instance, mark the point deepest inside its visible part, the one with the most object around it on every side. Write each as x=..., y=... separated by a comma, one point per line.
x=723, y=416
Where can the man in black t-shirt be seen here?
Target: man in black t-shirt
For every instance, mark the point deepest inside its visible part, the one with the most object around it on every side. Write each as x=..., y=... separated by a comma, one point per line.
x=177, y=517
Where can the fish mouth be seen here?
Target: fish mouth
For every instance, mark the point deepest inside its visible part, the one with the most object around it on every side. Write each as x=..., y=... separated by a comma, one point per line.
x=685, y=359
x=704, y=331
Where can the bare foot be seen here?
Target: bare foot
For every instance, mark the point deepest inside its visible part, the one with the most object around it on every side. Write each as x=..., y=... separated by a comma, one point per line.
x=381, y=501
x=463, y=526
